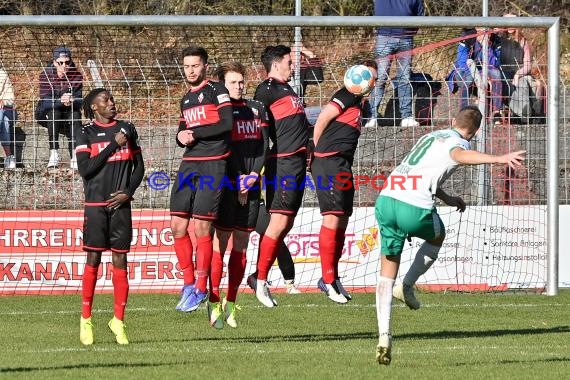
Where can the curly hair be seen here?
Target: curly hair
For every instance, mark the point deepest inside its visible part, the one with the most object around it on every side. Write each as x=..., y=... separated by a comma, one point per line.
x=88, y=100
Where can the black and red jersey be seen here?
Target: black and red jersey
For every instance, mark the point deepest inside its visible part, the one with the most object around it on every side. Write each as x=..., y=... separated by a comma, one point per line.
x=112, y=173
x=341, y=135
x=249, y=137
x=206, y=110
x=288, y=125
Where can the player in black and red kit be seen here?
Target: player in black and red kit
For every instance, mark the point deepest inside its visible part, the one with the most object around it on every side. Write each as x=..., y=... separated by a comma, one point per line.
x=240, y=202
x=110, y=161
x=204, y=130
x=286, y=164
x=336, y=136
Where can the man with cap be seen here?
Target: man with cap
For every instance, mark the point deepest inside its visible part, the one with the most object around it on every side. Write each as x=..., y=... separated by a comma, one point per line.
x=59, y=107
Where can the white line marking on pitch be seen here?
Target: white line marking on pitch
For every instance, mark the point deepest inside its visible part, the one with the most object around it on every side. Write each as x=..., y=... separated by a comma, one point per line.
x=281, y=306
x=277, y=348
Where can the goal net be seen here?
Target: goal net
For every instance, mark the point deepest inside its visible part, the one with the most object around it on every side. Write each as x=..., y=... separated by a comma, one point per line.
x=499, y=243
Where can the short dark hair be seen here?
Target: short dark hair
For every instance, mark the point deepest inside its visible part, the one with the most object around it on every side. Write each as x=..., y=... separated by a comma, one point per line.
x=88, y=100
x=369, y=63
x=196, y=51
x=273, y=54
x=469, y=118
x=61, y=50
x=228, y=67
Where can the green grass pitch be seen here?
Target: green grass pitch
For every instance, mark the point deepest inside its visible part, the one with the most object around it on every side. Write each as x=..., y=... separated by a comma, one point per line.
x=453, y=336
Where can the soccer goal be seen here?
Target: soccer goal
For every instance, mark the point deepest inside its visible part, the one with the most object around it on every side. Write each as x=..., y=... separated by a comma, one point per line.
x=506, y=240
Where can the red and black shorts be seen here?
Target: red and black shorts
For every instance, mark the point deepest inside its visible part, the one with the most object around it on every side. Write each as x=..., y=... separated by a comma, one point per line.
x=334, y=184
x=198, y=188
x=284, y=181
x=233, y=215
x=105, y=229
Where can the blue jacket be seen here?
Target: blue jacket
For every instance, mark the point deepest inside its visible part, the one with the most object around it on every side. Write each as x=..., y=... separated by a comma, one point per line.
x=470, y=48
x=398, y=8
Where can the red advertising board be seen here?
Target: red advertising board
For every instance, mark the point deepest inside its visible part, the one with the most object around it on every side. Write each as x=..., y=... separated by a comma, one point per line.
x=41, y=253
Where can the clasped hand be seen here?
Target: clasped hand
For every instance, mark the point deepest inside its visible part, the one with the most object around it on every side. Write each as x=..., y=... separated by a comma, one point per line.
x=246, y=182
x=186, y=137
x=117, y=199
x=66, y=99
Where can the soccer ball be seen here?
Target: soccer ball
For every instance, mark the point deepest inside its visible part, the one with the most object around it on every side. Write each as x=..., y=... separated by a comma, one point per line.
x=359, y=80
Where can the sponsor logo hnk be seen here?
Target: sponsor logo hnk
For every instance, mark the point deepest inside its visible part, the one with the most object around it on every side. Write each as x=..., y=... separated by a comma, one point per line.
x=120, y=154
x=194, y=115
x=247, y=129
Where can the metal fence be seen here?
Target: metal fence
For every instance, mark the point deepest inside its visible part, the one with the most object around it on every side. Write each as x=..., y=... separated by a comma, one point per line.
x=142, y=69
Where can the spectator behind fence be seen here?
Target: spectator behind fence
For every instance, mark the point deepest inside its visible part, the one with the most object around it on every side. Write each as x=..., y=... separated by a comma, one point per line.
x=7, y=118
x=397, y=42
x=59, y=107
x=521, y=91
x=310, y=70
x=466, y=72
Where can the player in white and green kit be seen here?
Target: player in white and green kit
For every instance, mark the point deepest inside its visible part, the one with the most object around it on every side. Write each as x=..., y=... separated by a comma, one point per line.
x=406, y=207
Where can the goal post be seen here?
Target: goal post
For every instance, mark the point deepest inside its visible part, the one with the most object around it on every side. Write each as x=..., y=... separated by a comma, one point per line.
x=553, y=128
x=509, y=241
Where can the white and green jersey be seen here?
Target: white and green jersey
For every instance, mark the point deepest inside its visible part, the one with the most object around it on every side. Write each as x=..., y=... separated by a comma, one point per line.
x=425, y=168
